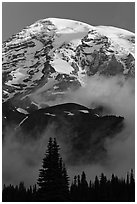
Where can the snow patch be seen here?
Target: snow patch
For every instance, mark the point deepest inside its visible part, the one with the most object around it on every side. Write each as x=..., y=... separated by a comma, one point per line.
x=50, y=114
x=36, y=104
x=67, y=38
x=62, y=66
x=70, y=25
x=97, y=115
x=21, y=110
x=17, y=75
x=23, y=121
x=84, y=111
x=69, y=113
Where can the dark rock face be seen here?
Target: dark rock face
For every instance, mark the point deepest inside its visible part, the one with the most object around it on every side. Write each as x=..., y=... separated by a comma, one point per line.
x=83, y=131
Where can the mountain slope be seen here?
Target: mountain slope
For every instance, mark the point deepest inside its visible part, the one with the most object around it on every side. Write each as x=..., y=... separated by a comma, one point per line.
x=54, y=56
x=82, y=132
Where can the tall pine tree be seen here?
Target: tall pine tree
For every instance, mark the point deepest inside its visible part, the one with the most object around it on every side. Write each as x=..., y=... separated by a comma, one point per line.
x=53, y=180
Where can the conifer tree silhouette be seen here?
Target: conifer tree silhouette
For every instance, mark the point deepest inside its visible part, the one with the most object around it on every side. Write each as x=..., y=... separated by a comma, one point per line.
x=53, y=180
x=96, y=189
x=132, y=186
x=115, y=190
x=103, y=187
x=84, y=187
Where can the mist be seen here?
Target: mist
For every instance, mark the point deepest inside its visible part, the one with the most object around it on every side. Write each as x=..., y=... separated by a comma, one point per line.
x=22, y=159
x=117, y=96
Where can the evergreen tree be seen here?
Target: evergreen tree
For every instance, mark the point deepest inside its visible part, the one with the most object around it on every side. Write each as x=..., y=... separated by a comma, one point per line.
x=115, y=190
x=79, y=182
x=90, y=184
x=96, y=189
x=132, y=180
x=84, y=187
x=132, y=186
x=127, y=181
x=103, y=188
x=65, y=180
x=74, y=189
x=22, y=191
x=53, y=179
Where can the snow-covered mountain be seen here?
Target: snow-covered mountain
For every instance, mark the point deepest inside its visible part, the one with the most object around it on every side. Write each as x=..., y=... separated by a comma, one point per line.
x=53, y=56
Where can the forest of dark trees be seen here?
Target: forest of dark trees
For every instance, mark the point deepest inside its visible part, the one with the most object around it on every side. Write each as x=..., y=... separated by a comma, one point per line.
x=53, y=184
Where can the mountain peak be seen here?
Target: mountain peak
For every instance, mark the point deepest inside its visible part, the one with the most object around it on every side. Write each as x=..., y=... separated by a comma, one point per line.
x=55, y=55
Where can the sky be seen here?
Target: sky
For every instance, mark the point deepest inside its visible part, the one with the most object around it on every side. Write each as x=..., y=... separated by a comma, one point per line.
x=17, y=15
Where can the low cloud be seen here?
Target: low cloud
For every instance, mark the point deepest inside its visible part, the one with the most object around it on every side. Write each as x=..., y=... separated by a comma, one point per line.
x=22, y=159
x=117, y=95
